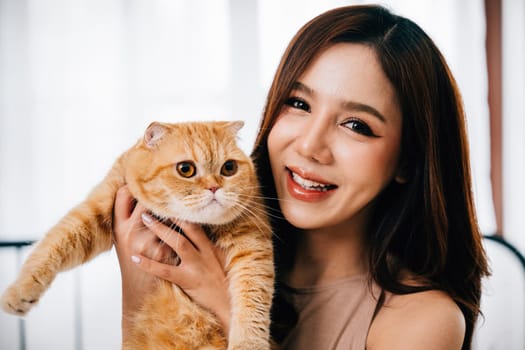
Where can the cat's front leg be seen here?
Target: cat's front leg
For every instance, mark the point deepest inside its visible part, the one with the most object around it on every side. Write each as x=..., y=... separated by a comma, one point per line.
x=67, y=245
x=48, y=259
x=82, y=234
x=37, y=273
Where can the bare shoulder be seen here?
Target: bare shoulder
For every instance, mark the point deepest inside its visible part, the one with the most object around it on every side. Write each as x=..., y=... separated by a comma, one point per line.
x=424, y=320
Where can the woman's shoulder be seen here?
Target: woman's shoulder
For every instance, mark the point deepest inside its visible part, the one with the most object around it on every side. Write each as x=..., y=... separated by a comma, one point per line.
x=423, y=320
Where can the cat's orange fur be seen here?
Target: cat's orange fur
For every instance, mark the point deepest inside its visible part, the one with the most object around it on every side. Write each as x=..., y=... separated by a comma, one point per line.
x=168, y=318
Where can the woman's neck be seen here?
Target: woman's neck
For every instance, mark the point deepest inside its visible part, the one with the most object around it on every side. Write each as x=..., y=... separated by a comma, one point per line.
x=327, y=255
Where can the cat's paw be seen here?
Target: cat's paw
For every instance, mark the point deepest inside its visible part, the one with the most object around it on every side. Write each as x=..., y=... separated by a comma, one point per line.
x=18, y=300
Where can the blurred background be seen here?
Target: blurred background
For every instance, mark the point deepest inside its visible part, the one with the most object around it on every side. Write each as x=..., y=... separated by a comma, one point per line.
x=80, y=80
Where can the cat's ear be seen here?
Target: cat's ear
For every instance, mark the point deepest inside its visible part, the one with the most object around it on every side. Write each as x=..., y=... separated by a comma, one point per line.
x=153, y=134
x=235, y=126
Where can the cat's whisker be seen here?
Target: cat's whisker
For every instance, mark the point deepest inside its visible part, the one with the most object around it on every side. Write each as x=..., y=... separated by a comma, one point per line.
x=252, y=216
x=254, y=212
x=262, y=211
x=266, y=198
x=268, y=210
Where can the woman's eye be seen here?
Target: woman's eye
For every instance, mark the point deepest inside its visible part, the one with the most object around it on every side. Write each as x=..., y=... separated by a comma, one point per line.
x=186, y=169
x=359, y=127
x=295, y=102
x=229, y=168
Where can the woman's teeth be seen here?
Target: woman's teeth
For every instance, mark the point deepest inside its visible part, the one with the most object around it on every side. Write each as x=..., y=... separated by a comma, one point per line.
x=310, y=185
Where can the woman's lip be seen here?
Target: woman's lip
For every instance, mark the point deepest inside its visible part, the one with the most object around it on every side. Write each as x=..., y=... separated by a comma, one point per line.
x=307, y=175
x=306, y=195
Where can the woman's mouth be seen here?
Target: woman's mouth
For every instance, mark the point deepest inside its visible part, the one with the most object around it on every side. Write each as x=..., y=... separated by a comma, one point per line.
x=307, y=187
x=310, y=184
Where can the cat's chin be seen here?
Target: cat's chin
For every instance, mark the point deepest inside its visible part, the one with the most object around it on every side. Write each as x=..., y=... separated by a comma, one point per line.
x=212, y=219
x=212, y=215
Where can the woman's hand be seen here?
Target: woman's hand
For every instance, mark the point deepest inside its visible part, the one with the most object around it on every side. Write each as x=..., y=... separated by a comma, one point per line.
x=146, y=243
x=199, y=270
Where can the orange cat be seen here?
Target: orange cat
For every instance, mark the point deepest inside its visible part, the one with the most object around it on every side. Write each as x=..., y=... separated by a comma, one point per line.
x=171, y=171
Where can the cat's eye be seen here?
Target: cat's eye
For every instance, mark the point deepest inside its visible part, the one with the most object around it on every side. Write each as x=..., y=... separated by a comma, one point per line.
x=186, y=169
x=229, y=168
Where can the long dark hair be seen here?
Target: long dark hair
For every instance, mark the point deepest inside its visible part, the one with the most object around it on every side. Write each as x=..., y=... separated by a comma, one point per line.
x=428, y=224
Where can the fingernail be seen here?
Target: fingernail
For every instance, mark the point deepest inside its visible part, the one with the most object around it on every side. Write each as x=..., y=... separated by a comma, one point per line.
x=135, y=259
x=146, y=218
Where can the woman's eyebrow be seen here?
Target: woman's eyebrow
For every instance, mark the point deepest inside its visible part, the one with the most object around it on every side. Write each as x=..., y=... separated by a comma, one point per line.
x=356, y=106
x=302, y=87
x=348, y=105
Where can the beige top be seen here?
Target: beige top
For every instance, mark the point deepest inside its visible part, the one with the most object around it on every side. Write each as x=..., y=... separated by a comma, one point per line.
x=332, y=316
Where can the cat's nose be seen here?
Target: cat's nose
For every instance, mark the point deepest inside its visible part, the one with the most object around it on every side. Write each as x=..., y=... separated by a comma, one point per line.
x=213, y=189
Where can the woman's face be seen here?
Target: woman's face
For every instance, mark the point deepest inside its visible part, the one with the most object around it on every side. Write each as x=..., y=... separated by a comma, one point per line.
x=336, y=142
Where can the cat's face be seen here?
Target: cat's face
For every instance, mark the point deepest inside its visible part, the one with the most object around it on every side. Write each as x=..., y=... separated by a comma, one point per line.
x=192, y=171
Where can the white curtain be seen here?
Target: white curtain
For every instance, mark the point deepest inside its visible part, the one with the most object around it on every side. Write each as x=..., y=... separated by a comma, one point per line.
x=81, y=79
x=513, y=13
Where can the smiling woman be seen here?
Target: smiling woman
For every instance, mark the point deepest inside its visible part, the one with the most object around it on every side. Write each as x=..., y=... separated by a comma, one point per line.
x=376, y=201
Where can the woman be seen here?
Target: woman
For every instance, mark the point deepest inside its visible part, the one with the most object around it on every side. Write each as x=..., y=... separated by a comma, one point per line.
x=363, y=142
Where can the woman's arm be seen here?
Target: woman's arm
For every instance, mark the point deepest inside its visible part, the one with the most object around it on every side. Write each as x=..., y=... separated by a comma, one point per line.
x=131, y=236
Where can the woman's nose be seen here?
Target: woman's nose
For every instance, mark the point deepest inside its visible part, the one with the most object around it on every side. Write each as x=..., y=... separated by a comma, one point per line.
x=314, y=141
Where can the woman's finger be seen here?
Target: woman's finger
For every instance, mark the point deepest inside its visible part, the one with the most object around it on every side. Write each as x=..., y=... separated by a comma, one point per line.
x=163, y=271
x=127, y=214
x=178, y=242
x=131, y=232
x=124, y=203
x=196, y=234
x=204, y=245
